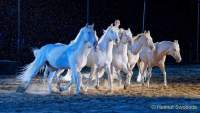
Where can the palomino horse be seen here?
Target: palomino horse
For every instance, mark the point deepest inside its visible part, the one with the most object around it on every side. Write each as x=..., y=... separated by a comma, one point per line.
x=70, y=56
x=150, y=58
x=135, y=48
x=138, y=43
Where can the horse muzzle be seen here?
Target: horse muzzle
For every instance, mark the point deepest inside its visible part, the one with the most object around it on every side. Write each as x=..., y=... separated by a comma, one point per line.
x=178, y=60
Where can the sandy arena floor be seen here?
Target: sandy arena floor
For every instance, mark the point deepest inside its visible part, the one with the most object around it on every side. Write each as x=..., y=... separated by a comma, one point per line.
x=181, y=95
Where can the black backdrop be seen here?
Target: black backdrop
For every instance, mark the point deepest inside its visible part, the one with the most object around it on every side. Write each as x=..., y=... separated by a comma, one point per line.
x=50, y=21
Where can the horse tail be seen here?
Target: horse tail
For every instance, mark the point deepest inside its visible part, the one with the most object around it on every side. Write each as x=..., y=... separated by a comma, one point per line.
x=43, y=68
x=31, y=70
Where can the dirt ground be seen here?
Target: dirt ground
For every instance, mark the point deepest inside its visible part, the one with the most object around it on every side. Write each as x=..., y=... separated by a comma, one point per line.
x=181, y=95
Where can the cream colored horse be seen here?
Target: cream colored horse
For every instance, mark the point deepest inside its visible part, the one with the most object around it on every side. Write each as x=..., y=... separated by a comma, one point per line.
x=133, y=57
x=150, y=59
x=120, y=56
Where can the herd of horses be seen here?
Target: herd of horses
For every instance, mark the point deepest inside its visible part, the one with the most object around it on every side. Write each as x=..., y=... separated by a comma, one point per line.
x=116, y=51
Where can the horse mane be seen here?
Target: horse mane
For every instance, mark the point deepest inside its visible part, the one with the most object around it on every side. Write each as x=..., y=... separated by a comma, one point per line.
x=136, y=38
x=76, y=39
x=162, y=43
x=103, y=36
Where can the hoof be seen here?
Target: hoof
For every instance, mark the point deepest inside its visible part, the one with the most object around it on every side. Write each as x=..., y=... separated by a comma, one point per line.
x=97, y=87
x=79, y=94
x=109, y=92
x=58, y=87
x=125, y=87
x=61, y=89
x=84, y=89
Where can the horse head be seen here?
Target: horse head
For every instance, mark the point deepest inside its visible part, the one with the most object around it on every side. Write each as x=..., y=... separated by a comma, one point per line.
x=112, y=34
x=125, y=36
x=174, y=51
x=149, y=40
x=89, y=35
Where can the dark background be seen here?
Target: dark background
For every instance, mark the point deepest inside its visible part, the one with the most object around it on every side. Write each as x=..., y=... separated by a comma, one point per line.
x=50, y=21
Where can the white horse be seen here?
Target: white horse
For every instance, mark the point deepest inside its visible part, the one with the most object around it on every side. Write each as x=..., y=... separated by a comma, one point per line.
x=120, y=58
x=110, y=35
x=150, y=58
x=102, y=57
x=121, y=55
x=71, y=56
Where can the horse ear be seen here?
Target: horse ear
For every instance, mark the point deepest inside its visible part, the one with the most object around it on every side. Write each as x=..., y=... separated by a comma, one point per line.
x=104, y=30
x=92, y=25
x=86, y=25
x=148, y=31
x=176, y=41
x=111, y=25
x=129, y=29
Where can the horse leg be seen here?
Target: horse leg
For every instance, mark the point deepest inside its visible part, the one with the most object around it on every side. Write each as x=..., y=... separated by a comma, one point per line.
x=97, y=78
x=46, y=73
x=149, y=76
x=140, y=66
x=50, y=79
x=143, y=72
x=110, y=79
x=128, y=77
x=59, y=72
x=77, y=81
x=116, y=73
x=73, y=80
x=92, y=72
x=81, y=82
x=119, y=77
x=162, y=68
